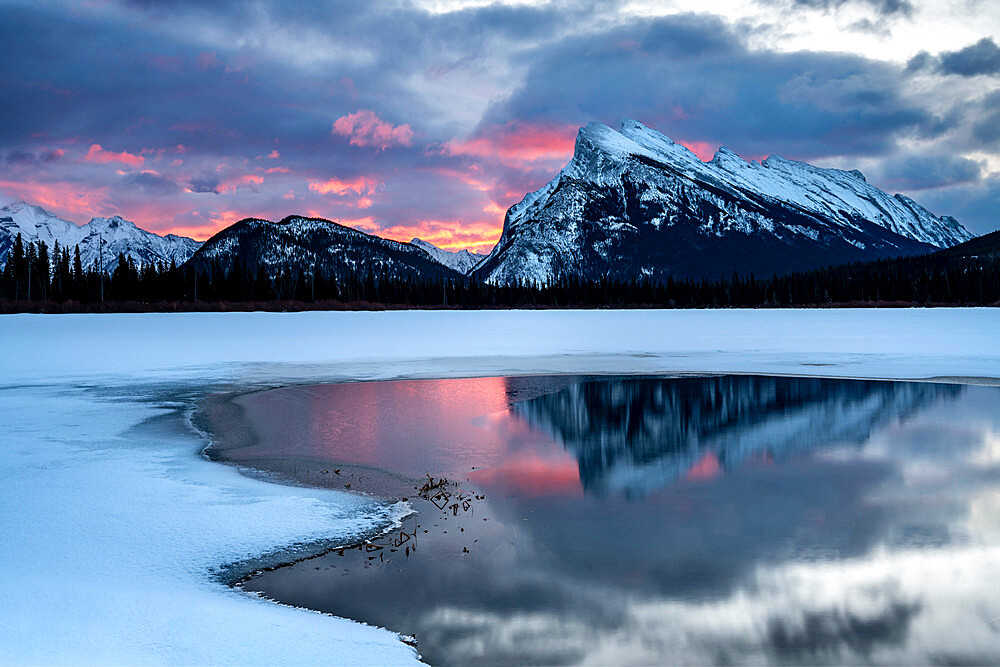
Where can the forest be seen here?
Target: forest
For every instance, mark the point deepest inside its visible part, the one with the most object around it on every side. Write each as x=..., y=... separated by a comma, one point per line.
x=39, y=279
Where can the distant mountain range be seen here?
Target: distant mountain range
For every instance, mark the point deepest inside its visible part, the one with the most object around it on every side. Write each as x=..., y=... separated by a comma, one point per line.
x=629, y=205
x=307, y=246
x=462, y=261
x=117, y=235
x=635, y=204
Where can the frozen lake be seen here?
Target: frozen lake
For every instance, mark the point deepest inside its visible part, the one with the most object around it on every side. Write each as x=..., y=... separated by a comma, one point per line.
x=116, y=529
x=651, y=520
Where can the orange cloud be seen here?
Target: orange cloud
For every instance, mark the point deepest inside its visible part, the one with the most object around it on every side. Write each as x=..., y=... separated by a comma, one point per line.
x=365, y=128
x=223, y=219
x=366, y=224
x=196, y=232
x=358, y=185
x=99, y=155
x=518, y=144
x=447, y=234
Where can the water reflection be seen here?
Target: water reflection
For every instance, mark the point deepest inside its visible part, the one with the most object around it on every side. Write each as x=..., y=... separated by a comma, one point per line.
x=688, y=520
x=635, y=435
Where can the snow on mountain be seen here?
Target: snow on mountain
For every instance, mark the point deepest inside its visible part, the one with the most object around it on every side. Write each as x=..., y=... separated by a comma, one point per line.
x=636, y=204
x=306, y=245
x=462, y=261
x=105, y=238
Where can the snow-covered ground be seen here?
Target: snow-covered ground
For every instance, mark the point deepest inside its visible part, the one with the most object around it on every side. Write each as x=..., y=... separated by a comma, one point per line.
x=114, y=529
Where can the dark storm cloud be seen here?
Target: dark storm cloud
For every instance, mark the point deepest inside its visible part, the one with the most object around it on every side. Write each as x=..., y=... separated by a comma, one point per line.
x=920, y=172
x=983, y=57
x=204, y=184
x=980, y=58
x=987, y=128
x=694, y=78
x=150, y=183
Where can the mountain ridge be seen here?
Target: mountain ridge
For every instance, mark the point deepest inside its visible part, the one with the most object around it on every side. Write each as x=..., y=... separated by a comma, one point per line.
x=634, y=204
x=308, y=245
x=462, y=261
x=100, y=238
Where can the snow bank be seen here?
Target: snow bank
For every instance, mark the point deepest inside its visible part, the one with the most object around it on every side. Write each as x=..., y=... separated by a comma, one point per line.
x=904, y=343
x=113, y=526
x=111, y=535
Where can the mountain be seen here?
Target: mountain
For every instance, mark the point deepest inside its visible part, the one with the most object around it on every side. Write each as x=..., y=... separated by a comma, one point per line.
x=462, y=261
x=634, y=203
x=984, y=247
x=633, y=436
x=304, y=245
x=119, y=236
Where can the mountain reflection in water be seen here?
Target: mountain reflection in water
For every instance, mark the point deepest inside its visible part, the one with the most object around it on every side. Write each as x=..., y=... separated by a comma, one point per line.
x=659, y=520
x=634, y=435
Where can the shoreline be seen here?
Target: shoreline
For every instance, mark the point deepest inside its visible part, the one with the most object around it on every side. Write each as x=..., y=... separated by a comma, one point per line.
x=386, y=486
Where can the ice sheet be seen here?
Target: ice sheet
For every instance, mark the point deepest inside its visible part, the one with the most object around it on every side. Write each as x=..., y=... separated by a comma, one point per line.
x=113, y=527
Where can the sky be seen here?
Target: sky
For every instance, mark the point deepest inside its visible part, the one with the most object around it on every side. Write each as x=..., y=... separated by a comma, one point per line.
x=430, y=118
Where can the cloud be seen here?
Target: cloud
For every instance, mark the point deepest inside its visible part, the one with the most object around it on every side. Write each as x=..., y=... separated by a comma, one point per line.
x=365, y=128
x=336, y=186
x=204, y=184
x=20, y=157
x=880, y=7
x=97, y=154
x=921, y=172
x=518, y=143
x=983, y=57
x=975, y=205
x=805, y=104
x=460, y=113
x=151, y=183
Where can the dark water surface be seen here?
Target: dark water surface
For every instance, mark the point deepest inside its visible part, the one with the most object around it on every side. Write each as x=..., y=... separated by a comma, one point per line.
x=652, y=520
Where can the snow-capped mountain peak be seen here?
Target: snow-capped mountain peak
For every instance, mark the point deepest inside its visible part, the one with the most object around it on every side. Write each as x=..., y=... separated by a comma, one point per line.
x=101, y=240
x=634, y=203
x=462, y=261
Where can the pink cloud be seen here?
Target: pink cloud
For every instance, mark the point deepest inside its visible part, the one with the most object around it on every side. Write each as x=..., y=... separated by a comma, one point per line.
x=70, y=200
x=274, y=155
x=365, y=128
x=518, y=144
x=358, y=185
x=99, y=155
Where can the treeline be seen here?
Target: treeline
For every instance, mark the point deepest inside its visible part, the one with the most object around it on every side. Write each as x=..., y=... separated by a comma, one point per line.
x=36, y=278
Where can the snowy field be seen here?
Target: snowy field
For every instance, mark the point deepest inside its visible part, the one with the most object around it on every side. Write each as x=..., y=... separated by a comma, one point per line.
x=114, y=529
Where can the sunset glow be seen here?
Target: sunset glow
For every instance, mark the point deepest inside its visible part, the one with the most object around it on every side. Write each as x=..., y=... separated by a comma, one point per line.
x=432, y=122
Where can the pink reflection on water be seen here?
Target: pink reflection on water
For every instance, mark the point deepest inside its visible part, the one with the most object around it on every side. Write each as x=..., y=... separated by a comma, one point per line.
x=437, y=427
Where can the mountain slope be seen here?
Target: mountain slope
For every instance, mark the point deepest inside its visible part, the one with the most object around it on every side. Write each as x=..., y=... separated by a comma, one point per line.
x=634, y=203
x=101, y=238
x=304, y=245
x=462, y=261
